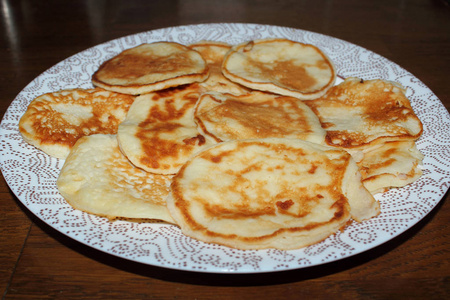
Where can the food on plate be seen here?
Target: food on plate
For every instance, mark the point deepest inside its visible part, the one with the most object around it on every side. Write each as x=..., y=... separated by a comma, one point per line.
x=97, y=178
x=213, y=53
x=159, y=133
x=256, y=115
x=373, y=120
x=280, y=66
x=151, y=67
x=358, y=114
x=268, y=193
x=250, y=146
x=53, y=122
x=392, y=164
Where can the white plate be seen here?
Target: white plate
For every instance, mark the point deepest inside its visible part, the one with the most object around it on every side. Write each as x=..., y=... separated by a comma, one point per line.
x=31, y=174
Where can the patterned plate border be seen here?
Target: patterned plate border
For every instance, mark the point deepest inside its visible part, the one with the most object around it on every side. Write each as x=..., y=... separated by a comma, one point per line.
x=31, y=174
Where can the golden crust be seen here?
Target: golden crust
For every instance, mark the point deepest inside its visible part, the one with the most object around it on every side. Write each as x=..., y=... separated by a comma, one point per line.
x=359, y=114
x=256, y=115
x=53, y=122
x=280, y=66
x=151, y=67
x=268, y=193
x=159, y=133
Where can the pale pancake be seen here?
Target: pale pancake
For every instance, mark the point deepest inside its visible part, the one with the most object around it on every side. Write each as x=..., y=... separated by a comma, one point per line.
x=159, y=133
x=151, y=67
x=53, y=122
x=393, y=164
x=256, y=115
x=358, y=114
x=280, y=66
x=213, y=53
x=268, y=193
x=97, y=178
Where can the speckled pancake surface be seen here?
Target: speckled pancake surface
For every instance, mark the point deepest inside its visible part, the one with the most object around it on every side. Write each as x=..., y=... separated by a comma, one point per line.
x=213, y=52
x=151, y=67
x=268, y=193
x=256, y=115
x=98, y=179
x=53, y=122
x=280, y=66
x=359, y=114
x=159, y=133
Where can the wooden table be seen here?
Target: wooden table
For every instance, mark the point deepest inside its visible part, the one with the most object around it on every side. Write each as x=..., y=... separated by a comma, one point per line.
x=37, y=262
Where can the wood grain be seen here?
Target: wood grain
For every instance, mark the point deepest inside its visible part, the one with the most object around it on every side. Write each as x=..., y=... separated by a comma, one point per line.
x=37, y=262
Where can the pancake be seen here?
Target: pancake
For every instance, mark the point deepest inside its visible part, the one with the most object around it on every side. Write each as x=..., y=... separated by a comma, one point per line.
x=96, y=178
x=268, y=193
x=359, y=114
x=151, y=67
x=213, y=53
x=159, y=133
x=53, y=122
x=393, y=164
x=280, y=66
x=227, y=117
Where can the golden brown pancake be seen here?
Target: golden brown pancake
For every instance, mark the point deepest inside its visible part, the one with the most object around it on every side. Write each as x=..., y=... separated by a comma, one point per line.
x=213, y=53
x=53, y=122
x=151, y=67
x=268, y=193
x=97, y=178
x=280, y=66
x=159, y=133
x=393, y=164
x=359, y=114
x=256, y=115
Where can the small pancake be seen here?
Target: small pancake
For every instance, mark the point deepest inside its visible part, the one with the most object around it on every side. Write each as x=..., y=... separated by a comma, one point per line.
x=151, y=67
x=159, y=133
x=213, y=53
x=53, y=122
x=280, y=66
x=359, y=114
x=268, y=193
x=257, y=115
x=393, y=164
x=96, y=178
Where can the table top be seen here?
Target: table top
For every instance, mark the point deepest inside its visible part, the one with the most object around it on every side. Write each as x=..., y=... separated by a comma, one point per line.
x=37, y=262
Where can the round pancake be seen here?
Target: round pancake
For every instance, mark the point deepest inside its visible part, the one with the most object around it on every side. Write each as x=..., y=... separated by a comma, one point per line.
x=392, y=164
x=280, y=66
x=151, y=67
x=213, y=53
x=159, y=133
x=96, y=178
x=268, y=193
x=53, y=122
x=361, y=113
x=256, y=115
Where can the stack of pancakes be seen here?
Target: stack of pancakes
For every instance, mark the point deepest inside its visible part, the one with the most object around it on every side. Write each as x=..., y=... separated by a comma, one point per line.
x=251, y=146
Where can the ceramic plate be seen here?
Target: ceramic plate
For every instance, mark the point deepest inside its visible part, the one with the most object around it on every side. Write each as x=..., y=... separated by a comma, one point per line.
x=31, y=174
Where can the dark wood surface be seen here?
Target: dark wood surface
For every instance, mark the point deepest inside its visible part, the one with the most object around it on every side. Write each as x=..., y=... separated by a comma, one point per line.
x=36, y=262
